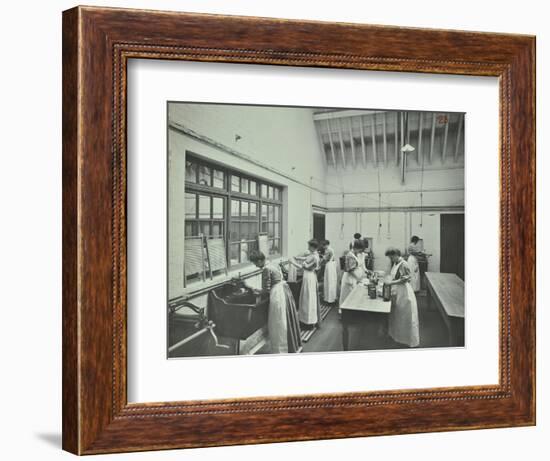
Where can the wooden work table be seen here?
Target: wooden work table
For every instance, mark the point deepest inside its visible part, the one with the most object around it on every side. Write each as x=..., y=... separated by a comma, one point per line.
x=369, y=316
x=446, y=291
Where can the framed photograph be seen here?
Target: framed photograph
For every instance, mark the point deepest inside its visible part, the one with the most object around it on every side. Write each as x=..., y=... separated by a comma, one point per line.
x=281, y=230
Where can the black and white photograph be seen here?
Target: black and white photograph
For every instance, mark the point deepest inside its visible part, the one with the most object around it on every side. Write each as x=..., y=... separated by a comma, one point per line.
x=297, y=230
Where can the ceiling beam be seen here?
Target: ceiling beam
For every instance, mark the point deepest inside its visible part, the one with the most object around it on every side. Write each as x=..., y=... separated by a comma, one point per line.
x=432, y=138
x=363, y=149
x=420, y=129
x=458, y=134
x=445, y=136
x=402, y=154
x=385, y=139
x=321, y=144
x=354, y=162
x=401, y=138
x=396, y=138
x=373, y=138
x=342, y=150
x=329, y=130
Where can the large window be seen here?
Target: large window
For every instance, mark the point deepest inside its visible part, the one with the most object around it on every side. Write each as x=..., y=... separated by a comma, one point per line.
x=220, y=202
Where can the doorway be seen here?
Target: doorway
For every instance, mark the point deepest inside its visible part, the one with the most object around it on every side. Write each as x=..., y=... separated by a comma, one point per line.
x=318, y=226
x=452, y=244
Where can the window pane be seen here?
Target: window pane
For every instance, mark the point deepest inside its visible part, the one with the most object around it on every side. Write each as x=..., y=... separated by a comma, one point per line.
x=244, y=252
x=234, y=236
x=235, y=183
x=218, y=178
x=244, y=185
x=252, y=230
x=204, y=207
x=235, y=208
x=217, y=207
x=205, y=228
x=190, y=206
x=190, y=171
x=207, y=214
x=191, y=229
x=217, y=229
x=234, y=253
x=205, y=175
x=274, y=247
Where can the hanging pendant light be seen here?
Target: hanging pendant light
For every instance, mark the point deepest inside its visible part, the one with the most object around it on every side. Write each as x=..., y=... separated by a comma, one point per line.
x=406, y=148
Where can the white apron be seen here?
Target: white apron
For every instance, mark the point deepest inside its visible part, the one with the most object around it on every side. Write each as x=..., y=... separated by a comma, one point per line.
x=403, y=321
x=277, y=320
x=361, y=259
x=349, y=280
x=330, y=284
x=309, y=298
x=415, y=272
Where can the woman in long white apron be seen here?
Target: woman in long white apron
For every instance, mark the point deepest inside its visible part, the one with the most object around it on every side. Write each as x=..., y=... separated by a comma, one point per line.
x=283, y=328
x=330, y=281
x=412, y=262
x=353, y=272
x=308, y=312
x=403, y=321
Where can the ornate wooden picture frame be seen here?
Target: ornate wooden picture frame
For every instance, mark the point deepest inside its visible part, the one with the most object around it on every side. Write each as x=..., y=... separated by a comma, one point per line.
x=97, y=44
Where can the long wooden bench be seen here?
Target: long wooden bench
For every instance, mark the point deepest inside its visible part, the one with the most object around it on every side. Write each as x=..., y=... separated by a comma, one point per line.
x=446, y=291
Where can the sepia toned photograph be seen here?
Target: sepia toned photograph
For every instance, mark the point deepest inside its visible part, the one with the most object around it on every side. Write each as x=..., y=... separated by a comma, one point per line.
x=297, y=230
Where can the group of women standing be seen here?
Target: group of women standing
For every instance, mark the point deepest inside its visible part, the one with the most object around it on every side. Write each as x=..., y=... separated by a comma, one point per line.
x=285, y=320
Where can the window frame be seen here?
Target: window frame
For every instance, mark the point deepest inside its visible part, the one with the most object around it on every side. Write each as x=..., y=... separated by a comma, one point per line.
x=228, y=194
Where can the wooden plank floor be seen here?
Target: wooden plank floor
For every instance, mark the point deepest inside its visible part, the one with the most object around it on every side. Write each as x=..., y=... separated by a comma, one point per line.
x=329, y=337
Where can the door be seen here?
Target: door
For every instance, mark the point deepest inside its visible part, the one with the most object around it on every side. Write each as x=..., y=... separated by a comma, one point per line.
x=452, y=244
x=318, y=226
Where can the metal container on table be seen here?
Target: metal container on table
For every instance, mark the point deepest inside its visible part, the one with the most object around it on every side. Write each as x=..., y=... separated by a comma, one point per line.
x=372, y=290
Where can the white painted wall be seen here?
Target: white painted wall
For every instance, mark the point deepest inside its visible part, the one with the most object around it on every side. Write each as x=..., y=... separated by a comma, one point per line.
x=442, y=185
x=397, y=228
